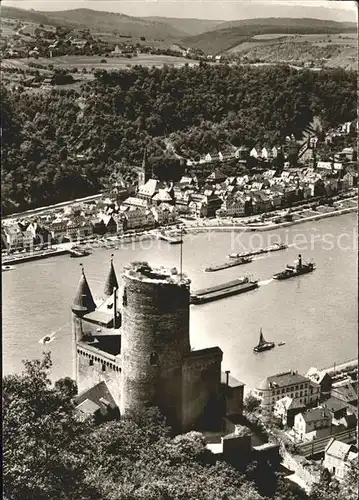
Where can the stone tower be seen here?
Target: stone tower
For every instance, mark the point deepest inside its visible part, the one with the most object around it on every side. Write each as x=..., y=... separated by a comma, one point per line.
x=144, y=174
x=83, y=304
x=154, y=340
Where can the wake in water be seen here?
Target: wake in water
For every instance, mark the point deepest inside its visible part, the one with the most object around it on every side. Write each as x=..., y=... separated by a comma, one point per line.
x=265, y=282
x=47, y=339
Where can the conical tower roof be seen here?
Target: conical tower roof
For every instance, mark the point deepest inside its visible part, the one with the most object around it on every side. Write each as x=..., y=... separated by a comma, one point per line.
x=111, y=281
x=83, y=302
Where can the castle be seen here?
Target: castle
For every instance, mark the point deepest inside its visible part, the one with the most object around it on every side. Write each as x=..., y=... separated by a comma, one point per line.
x=137, y=342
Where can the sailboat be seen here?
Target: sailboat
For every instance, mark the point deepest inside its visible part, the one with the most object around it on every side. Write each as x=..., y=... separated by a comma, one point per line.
x=263, y=344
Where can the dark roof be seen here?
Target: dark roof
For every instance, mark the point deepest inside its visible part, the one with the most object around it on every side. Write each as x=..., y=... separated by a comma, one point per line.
x=316, y=414
x=98, y=397
x=83, y=301
x=334, y=404
x=282, y=380
x=111, y=281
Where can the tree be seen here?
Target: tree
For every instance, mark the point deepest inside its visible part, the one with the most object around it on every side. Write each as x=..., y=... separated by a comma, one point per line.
x=41, y=436
x=251, y=403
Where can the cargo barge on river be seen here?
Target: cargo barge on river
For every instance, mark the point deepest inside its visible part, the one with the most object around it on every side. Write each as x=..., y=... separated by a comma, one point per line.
x=227, y=265
x=44, y=254
x=273, y=248
x=223, y=290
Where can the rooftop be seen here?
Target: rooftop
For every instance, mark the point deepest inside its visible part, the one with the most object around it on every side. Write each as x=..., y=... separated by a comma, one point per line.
x=282, y=380
x=144, y=272
x=338, y=449
x=315, y=414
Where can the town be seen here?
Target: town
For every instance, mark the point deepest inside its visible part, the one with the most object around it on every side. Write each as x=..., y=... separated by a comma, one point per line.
x=160, y=176
x=278, y=184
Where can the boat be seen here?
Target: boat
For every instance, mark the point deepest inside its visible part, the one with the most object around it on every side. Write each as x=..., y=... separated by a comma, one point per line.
x=173, y=238
x=260, y=251
x=223, y=290
x=281, y=343
x=76, y=252
x=263, y=345
x=46, y=339
x=227, y=265
x=296, y=270
x=7, y=268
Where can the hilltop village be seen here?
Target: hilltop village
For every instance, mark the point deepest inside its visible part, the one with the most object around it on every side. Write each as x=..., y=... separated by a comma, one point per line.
x=278, y=184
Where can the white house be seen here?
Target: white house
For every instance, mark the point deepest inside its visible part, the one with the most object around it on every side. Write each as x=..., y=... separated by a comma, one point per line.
x=253, y=152
x=312, y=424
x=264, y=153
x=338, y=456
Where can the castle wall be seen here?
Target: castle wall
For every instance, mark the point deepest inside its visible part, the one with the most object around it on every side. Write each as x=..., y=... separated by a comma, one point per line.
x=93, y=366
x=155, y=337
x=201, y=385
x=234, y=400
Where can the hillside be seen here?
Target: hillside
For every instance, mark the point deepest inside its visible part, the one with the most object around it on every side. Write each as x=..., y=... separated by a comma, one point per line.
x=189, y=26
x=235, y=32
x=97, y=21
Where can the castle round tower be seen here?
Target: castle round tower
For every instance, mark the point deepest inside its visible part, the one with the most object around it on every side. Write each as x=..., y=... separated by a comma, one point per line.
x=154, y=339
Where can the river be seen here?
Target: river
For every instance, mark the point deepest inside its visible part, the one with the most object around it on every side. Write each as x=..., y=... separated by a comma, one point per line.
x=316, y=315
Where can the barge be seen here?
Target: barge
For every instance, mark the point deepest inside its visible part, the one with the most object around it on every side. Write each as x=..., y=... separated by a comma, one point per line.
x=20, y=259
x=226, y=265
x=224, y=290
x=273, y=248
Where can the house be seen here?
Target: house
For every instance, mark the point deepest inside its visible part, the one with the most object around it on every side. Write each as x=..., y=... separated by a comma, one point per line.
x=265, y=153
x=327, y=166
x=253, y=152
x=96, y=402
x=312, y=424
x=234, y=206
x=286, y=408
x=208, y=157
x=321, y=378
x=109, y=223
x=291, y=384
x=350, y=178
x=241, y=153
x=274, y=152
x=165, y=214
x=346, y=154
x=337, y=457
x=149, y=190
x=347, y=392
x=137, y=218
x=216, y=177
x=134, y=201
x=78, y=227
x=163, y=196
x=13, y=238
x=336, y=407
x=58, y=228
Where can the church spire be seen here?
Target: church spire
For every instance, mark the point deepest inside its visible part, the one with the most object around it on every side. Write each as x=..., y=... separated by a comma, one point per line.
x=83, y=302
x=111, y=281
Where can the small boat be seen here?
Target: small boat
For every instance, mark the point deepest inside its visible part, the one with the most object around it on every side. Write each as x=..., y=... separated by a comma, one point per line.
x=263, y=345
x=46, y=339
x=297, y=270
x=7, y=268
x=76, y=252
x=280, y=343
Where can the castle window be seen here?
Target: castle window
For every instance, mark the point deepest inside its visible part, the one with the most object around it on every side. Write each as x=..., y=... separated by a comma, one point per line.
x=103, y=367
x=154, y=358
x=91, y=362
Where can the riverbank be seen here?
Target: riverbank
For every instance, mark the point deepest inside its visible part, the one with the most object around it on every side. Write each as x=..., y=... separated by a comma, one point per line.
x=266, y=226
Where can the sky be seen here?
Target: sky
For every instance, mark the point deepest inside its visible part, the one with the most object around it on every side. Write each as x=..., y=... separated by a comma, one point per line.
x=336, y=10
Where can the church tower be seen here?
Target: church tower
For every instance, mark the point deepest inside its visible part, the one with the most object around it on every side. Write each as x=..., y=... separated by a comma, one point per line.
x=144, y=174
x=83, y=304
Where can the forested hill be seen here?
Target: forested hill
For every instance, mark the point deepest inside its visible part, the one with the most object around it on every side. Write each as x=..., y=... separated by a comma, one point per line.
x=203, y=108
x=230, y=34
